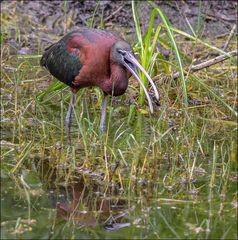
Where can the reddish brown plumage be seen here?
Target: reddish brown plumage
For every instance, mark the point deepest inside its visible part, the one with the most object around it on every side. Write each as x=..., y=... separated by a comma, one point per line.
x=98, y=69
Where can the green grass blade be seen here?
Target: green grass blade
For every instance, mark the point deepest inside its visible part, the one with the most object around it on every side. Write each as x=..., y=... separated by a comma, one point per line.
x=51, y=91
x=137, y=25
x=146, y=63
x=91, y=21
x=29, y=56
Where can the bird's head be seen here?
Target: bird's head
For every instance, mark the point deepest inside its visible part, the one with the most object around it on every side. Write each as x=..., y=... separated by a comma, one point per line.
x=122, y=54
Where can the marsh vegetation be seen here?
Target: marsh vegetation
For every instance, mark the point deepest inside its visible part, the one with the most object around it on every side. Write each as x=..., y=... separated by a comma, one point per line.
x=172, y=174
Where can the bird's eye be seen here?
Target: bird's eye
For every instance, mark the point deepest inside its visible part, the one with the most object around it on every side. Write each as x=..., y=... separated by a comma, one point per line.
x=121, y=52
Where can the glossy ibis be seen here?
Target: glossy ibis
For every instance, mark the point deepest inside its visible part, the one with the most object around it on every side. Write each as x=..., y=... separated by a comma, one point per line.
x=93, y=57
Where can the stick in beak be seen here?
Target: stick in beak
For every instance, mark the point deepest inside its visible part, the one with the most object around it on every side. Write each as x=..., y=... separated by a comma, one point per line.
x=130, y=62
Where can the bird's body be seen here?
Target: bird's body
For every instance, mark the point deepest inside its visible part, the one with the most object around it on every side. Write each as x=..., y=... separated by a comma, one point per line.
x=82, y=59
x=92, y=57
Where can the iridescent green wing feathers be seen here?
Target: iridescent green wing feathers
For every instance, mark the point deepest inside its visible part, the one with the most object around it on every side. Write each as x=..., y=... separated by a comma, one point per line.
x=61, y=64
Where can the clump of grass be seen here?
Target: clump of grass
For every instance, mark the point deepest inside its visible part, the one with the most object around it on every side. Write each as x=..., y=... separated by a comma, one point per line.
x=147, y=44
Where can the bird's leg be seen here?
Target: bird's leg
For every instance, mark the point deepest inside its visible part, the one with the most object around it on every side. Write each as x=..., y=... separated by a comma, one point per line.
x=69, y=114
x=103, y=122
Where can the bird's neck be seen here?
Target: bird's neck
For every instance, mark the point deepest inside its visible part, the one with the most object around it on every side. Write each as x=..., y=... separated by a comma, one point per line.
x=118, y=82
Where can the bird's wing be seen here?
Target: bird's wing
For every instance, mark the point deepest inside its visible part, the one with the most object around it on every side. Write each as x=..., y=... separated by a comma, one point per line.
x=61, y=64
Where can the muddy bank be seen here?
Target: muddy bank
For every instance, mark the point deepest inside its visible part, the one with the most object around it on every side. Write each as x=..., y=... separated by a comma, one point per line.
x=210, y=18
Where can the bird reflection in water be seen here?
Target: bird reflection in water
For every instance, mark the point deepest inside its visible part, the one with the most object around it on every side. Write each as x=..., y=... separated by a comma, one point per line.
x=88, y=203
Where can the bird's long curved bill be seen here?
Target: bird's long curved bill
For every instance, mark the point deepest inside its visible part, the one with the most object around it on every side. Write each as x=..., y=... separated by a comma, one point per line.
x=131, y=63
